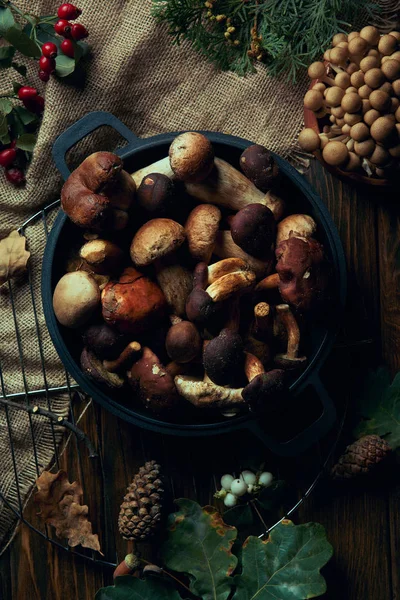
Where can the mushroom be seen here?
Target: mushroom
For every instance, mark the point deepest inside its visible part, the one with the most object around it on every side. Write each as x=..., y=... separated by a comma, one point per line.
x=368, y=63
x=258, y=164
x=354, y=162
x=183, y=342
x=176, y=282
x=357, y=46
x=387, y=44
x=191, y=156
x=153, y=384
x=380, y=156
x=359, y=132
x=339, y=55
x=102, y=256
x=357, y=78
x=334, y=96
x=313, y=100
x=134, y=303
x=289, y=360
x=201, y=229
x=309, y=140
x=261, y=328
x=223, y=358
x=335, y=153
x=298, y=225
x=365, y=91
x=317, y=70
x=105, y=341
x=352, y=118
x=200, y=307
x=253, y=229
x=225, y=267
x=204, y=394
x=382, y=129
x=370, y=34
x=156, y=193
x=364, y=148
x=98, y=194
x=76, y=298
x=129, y=355
x=262, y=387
x=342, y=80
x=230, y=284
x=338, y=38
x=351, y=103
x=93, y=368
x=225, y=247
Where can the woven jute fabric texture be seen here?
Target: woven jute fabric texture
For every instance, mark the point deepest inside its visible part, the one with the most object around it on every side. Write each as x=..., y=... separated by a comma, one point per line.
x=153, y=87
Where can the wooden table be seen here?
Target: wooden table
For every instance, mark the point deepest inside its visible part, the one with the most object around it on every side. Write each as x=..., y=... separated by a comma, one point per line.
x=362, y=520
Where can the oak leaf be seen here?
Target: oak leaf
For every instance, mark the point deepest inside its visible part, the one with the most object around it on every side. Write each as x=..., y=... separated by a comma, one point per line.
x=13, y=256
x=60, y=506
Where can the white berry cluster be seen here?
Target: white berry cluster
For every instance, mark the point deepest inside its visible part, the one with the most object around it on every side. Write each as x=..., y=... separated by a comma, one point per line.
x=247, y=483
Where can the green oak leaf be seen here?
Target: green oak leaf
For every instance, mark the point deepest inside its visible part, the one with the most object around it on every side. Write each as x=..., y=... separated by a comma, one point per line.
x=132, y=588
x=6, y=20
x=22, y=42
x=27, y=142
x=286, y=566
x=199, y=544
x=64, y=65
x=5, y=106
x=3, y=128
x=379, y=405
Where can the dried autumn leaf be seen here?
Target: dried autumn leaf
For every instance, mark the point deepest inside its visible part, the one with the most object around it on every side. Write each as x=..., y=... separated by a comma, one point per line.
x=13, y=256
x=60, y=506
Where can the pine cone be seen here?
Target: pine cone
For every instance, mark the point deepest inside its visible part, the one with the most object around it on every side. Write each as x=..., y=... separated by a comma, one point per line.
x=141, y=509
x=360, y=457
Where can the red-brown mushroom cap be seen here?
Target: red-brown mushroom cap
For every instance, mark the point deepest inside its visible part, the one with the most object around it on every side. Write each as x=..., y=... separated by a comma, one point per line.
x=253, y=229
x=265, y=390
x=153, y=384
x=258, y=164
x=200, y=307
x=223, y=358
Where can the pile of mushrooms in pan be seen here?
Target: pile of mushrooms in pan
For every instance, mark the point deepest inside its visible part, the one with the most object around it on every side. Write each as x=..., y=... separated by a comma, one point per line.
x=190, y=284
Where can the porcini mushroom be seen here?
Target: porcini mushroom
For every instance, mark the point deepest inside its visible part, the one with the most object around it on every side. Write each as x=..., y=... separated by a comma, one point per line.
x=224, y=267
x=223, y=358
x=225, y=247
x=183, y=342
x=263, y=388
x=290, y=359
x=204, y=394
x=105, y=341
x=152, y=383
x=129, y=355
x=298, y=225
x=253, y=229
x=191, y=156
x=200, y=307
x=201, y=229
x=92, y=366
x=230, y=284
x=76, y=298
x=102, y=256
x=156, y=193
x=258, y=164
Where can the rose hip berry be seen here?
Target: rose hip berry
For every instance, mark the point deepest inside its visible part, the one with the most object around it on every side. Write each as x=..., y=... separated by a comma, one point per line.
x=44, y=76
x=27, y=92
x=15, y=176
x=35, y=105
x=63, y=27
x=7, y=157
x=49, y=50
x=68, y=11
x=67, y=47
x=79, y=32
x=47, y=64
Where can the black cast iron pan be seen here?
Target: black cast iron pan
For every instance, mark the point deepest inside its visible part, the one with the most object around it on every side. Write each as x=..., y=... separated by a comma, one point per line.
x=141, y=152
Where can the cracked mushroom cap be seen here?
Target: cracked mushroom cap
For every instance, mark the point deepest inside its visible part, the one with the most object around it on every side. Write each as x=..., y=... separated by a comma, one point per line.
x=191, y=156
x=153, y=384
x=303, y=272
x=155, y=239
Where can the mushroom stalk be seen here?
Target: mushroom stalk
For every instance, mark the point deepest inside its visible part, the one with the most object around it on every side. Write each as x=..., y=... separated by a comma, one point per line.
x=225, y=267
x=208, y=395
x=129, y=354
x=252, y=366
x=230, y=284
x=225, y=247
x=262, y=319
x=268, y=283
x=285, y=315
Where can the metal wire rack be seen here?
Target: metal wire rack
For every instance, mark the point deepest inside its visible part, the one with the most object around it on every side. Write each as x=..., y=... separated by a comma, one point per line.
x=78, y=438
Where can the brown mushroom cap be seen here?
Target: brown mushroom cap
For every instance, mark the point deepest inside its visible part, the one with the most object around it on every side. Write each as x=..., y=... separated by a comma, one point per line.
x=387, y=44
x=265, y=391
x=253, y=229
x=382, y=128
x=380, y=156
x=105, y=341
x=153, y=384
x=342, y=80
x=257, y=162
x=201, y=229
x=338, y=55
x=298, y=225
x=351, y=103
x=391, y=69
x=309, y=140
x=359, y=132
x=370, y=34
x=183, y=342
x=338, y=38
x=357, y=79
x=380, y=100
x=223, y=358
x=316, y=70
x=354, y=162
x=335, y=153
x=75, y=299
x=155, y=193
x=369, y=62
x=93, y=368
x=334, y=96
x=199, y=305
x=191, y=156
x=364, y=91
x=103, y=257
x=155, y=239
x=364, y=148
x=357, y=45
x=374, y=78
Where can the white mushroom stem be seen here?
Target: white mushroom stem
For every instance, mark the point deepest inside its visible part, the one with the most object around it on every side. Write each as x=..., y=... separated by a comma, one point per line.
x=224, y=267
x=205, y=395
x=286, y=317
x=252, y=366
x=225, y=247
x=131, y=352
x=350, y=145
x=337, y=69
x=225, y=186
x=231, y=284
x=269, y=283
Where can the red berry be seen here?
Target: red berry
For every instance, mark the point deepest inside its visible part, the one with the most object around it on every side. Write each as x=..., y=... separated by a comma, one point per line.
x=35, y=105
x=49, y=49
x=62, y=27
x=68, y=11
x=15, y=176
x=67, y=47
x=47, y=64
x=7, y=157
x=44, y=75
x=27, y=92
x=78, y=31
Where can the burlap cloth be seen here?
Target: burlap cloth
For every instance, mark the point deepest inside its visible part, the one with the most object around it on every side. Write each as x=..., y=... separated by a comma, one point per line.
x=154, y=87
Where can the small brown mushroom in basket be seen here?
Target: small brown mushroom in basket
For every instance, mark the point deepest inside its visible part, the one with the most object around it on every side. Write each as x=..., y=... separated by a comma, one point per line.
x=302, y=273
x=99, y=193
x=290, y=359
x=153, y=384
x=183, y=342
x=258, y=164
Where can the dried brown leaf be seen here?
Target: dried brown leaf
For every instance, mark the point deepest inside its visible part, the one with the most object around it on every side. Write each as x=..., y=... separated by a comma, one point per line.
x=13, y=256
x=60, y=506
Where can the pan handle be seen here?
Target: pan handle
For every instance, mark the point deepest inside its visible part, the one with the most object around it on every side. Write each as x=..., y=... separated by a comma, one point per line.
x=79, y=130
x=309, y=436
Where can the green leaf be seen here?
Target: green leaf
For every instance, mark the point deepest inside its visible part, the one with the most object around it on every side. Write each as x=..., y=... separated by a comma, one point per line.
x=6, y=55
x=16, y=86
x=6, y=20
x=27, y=142
x=3, y=127
x=199, y=544
x=21, y=69
x=5, y=106
x=25, y=115
x=286, y=566
x=239, y=516
x=379, y=404
x=44, y=33
x=132, y=588
x=64, y=65
x=22, y=42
